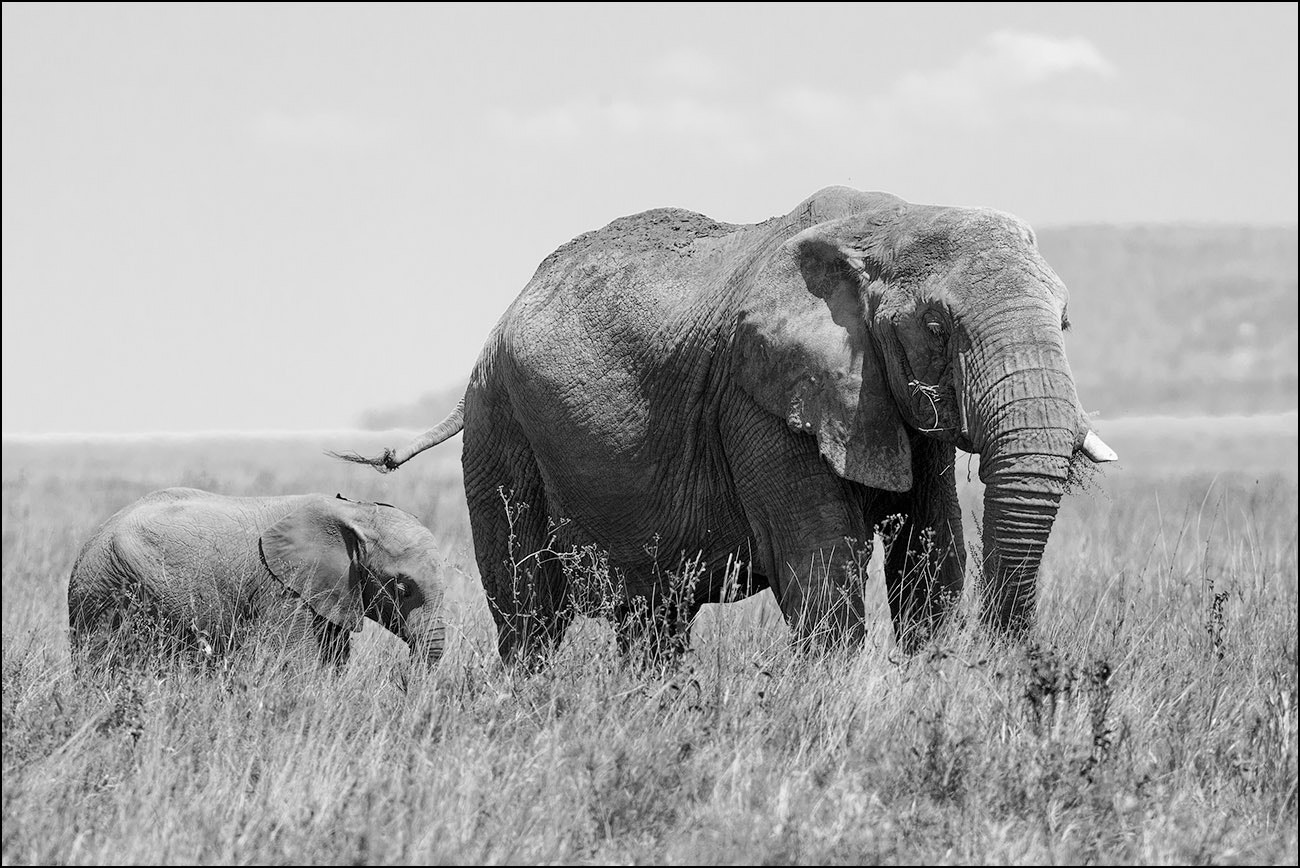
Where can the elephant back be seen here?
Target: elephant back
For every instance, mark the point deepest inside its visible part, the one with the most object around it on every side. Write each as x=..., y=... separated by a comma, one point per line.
x=671, y=251
x=649, y=233
x=183, y=560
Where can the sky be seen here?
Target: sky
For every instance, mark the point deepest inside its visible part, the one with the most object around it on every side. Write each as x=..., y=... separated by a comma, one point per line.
x=251, y=217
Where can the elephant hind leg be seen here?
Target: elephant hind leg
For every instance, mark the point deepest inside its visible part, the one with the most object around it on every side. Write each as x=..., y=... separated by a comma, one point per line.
x=524, y=582
x=530, y=625
x=526, y=586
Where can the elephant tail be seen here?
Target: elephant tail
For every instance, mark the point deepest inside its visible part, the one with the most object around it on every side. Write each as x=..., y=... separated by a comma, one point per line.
x=391, y=460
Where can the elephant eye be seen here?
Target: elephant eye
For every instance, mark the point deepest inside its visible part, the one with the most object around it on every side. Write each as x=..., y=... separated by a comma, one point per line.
x=936, y=328
x=403, y=590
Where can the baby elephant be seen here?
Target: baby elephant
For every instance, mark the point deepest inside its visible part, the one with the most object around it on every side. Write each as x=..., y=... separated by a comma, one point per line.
x=204, y=572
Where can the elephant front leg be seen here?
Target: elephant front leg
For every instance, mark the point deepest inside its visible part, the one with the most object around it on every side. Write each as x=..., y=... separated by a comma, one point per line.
x=298, y=634
x=821, y=591
x=333, y=643
x=810, y=531
x=925, y=555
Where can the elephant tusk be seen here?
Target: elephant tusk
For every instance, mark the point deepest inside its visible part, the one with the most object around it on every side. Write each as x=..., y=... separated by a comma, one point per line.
x=1096, y=449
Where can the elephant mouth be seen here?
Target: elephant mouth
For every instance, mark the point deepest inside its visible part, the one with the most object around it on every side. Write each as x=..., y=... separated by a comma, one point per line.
x=927, y=403
x=931, y=407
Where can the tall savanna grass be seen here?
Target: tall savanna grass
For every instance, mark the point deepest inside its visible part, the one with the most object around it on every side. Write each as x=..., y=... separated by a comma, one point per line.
x=1153, y=721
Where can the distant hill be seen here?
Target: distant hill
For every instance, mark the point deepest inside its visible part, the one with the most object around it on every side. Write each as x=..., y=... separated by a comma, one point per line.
x=1165, y=319
x=1180, y=319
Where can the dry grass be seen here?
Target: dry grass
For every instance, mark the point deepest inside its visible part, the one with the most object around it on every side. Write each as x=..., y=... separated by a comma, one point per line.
x=1155, y=722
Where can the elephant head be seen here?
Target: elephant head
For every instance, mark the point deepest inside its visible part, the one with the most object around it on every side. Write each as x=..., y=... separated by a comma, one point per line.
x=883, y=319
x=350, y=560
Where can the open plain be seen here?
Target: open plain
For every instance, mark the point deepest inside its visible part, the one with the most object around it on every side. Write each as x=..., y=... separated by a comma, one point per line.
x=1153, y=721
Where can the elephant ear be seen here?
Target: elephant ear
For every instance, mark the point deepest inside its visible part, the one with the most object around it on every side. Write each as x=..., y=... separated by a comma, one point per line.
x=805, y=354
x=317, y=553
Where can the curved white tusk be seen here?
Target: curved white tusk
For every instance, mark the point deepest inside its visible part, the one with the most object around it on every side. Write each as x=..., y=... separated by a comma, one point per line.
x=1096, y=449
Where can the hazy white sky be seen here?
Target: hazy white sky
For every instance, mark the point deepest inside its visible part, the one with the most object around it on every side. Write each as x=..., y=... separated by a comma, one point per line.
x=252, y=216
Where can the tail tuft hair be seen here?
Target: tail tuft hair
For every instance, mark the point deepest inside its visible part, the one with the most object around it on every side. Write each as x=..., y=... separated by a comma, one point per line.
x=383, y=462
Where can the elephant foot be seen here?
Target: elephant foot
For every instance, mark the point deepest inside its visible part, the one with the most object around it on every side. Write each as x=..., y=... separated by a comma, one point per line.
x=526, y=641
x=825, y=609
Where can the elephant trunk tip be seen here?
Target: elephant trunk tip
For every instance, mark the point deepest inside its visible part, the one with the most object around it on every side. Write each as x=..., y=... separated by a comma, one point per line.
x=383, y=462
x=428, y=653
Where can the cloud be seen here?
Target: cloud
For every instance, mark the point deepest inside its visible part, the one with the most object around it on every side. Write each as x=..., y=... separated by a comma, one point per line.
x=1033, y=57
x=1007, y=73
x=326, y=130
x=685, y=101
x=1010, y=75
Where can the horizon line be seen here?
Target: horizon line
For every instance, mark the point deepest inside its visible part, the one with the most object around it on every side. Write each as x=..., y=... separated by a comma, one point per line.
x=1179, y=222
x=312, y=433
x=205, y=434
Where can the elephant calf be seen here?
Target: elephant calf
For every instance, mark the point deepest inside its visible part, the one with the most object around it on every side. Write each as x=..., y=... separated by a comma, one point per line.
x=203, y=572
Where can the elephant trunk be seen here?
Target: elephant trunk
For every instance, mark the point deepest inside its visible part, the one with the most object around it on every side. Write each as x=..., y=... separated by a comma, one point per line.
x=1018, y=516
x=426, y=634
x=1024, y=419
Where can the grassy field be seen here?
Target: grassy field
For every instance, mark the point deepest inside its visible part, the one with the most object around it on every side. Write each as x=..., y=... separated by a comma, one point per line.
x=1154, y=721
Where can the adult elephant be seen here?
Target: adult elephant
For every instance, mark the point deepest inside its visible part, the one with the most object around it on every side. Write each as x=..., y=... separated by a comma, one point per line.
x=204, y=572
x=771, y=393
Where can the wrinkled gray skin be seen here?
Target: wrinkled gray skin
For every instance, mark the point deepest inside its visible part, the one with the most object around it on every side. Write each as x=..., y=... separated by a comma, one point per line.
x=670, y=385
x=206, y=572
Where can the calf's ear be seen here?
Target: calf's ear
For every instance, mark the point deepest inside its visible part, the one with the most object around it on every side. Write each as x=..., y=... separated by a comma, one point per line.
x=317, y=552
